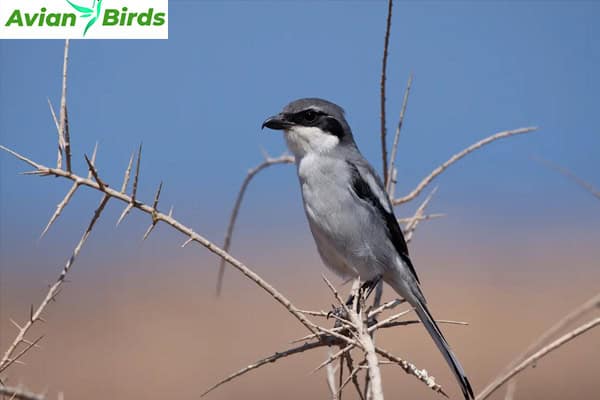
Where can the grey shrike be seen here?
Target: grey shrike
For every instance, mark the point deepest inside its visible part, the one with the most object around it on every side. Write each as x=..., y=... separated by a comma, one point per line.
x=349, y=212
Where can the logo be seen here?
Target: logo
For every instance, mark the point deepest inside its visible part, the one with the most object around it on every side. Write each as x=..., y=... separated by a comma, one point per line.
x=84, y=19
x=93, y=12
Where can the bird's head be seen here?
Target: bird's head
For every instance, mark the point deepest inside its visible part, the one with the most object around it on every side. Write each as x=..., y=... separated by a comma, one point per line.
x=312, y=126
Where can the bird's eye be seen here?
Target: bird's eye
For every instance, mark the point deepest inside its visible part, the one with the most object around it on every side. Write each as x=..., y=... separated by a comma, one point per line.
x=310, y=115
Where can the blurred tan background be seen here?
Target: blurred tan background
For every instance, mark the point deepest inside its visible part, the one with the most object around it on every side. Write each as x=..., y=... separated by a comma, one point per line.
x=145, y=328
x=517, y=250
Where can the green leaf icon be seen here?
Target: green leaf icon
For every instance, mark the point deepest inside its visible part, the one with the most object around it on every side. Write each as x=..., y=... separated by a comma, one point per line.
x=88, y=12
x=90, y=24
x=81, y=9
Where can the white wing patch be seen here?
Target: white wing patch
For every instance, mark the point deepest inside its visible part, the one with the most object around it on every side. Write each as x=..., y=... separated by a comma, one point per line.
x=381, y=195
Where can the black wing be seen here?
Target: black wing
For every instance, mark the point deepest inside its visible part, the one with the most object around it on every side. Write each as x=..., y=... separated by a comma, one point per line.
x=364, y=192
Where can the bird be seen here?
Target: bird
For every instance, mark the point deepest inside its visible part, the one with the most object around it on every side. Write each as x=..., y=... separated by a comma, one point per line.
x=349, y=213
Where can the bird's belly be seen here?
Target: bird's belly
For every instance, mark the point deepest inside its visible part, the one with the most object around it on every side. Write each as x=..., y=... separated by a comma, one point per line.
x=339, y=229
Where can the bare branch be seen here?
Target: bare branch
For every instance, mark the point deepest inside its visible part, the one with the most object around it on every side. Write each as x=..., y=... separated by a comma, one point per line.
x=411, y=226
x=17, y=357
x=426, y=217
x=18, y=393
x=416, y=321
x=501, y=380
x=266, y=360
x=570, y=175
x=64, y=121
x=353, y=376
x=568, y=319
x=169, y=220
x=335, y=293
x=386, y=42
x=374, y=386
x=40, y=170
x=283, y=159
x=333, y=357
x=428, y=179
x=330, y=372
x=55, y=288
x=411, y=369
x=388, y=185
x=388, y=320
x=386, y=306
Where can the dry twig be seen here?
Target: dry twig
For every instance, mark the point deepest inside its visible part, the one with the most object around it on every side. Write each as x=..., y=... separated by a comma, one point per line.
x=169, y=220
x=266, y=360
x=53, y=291
x=410, y=227
x=268, y=161
x=19, y=393
x=570, y=175
x=411, y=369
x=501, y=380
x=64, y=138
x=386, y=42
x=568, y=319
x=436, y=172
x=389, y=186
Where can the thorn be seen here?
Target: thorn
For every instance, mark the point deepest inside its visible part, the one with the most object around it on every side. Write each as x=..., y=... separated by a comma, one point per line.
x=34, y=343
x=170, y=212
x=94, y=173
x=60, y=207
x=157, y=196
x=93, y=158
x=127, y=174
x=150, y=228
x=31, y=313
x=15, y=324
x=124, y=213
x=40, y=172
x=41, y=319
x=187, y=242
x=137, y=174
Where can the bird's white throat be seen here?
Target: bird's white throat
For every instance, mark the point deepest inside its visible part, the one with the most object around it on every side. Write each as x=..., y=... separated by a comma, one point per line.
x=302, y=140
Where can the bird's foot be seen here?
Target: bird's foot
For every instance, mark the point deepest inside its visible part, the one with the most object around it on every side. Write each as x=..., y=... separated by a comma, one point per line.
x=367, y=288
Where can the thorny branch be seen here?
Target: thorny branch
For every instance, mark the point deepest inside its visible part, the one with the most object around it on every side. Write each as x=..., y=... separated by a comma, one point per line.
x=64, y=137
x=353, y=332
x=36, y=316
x=386, y=42
x=169, y=220
x=19, y=393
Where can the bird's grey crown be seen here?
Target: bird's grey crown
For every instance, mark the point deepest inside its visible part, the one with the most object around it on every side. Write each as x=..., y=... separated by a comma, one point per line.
x=325, y=106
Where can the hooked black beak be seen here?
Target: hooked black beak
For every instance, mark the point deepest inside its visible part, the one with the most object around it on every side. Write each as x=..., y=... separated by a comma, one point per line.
x=277, y=122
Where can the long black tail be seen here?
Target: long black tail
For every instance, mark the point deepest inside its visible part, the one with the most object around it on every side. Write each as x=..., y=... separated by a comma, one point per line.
x=441, y=343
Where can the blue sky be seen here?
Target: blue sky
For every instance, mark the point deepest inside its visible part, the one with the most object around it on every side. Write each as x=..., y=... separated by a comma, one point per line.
x=197, y=101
